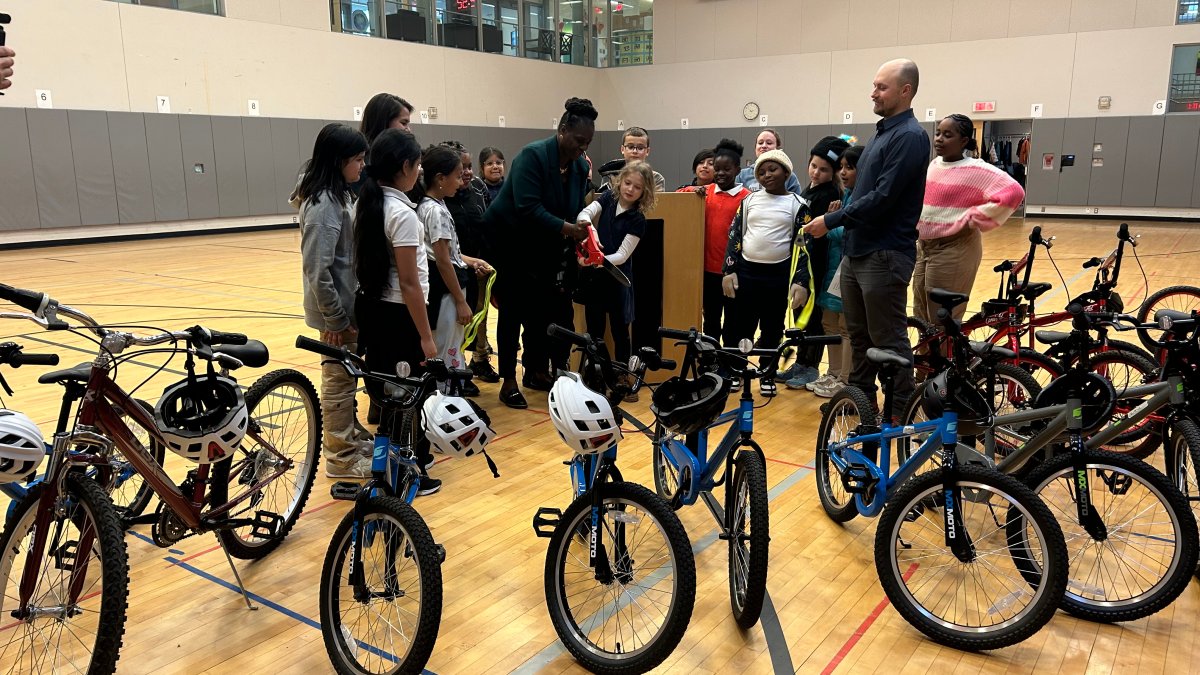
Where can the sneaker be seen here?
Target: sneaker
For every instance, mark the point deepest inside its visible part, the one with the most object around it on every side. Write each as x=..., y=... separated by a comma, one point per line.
x=803, y=376
x=358, y=468
x=430, y=463
x=766, y=387
x=469, y=389
x=787, y=373
x=484, y=372
x=830, y=389
x=822, y=380
x=736, y=385
x=428, y=486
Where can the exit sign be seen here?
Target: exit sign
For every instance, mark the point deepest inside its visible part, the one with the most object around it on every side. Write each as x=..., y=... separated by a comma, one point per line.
x=984, y=106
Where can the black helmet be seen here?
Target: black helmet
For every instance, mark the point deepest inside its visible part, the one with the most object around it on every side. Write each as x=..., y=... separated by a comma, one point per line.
x=974, y=412
x=1097, y=397
x=202, y=418
x=687, y=406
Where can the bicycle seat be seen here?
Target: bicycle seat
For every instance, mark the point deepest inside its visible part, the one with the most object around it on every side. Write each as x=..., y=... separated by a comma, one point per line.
x=989, y=349
x=79, y=373
x=1033, y=290
x=947, y=299
x=1172, y=314
x=253, y=354
x=887, y=359
x=1051, y=337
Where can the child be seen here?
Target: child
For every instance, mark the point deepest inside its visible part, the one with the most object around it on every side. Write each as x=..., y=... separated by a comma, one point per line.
x=830, y=303
x=635, y=147
x=326, y=243
x=448, y=304
x=822, y=190
x=722, y=198
x=620, y=219
x=702, y=170
x=393, y=275
x=491, y=167
x=467, y=207
x=758, y=259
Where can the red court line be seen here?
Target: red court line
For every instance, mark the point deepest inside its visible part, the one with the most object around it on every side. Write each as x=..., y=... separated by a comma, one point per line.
x=864, y=627
x=504, y=436
x=800, y=466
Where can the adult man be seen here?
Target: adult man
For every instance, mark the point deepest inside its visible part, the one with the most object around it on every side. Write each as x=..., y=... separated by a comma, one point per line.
x=881, y=229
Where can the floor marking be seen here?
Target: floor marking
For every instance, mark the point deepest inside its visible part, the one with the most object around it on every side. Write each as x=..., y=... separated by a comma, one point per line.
x=863, y=628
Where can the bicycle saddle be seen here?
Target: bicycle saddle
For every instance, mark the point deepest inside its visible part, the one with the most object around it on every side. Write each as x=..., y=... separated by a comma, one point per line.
x=79, y=373
x=1032, y=290
x=989, y=349
x=947, y=299
x=253, y=354
x=883, y=357
x=1051, y=337
x=1172, y=314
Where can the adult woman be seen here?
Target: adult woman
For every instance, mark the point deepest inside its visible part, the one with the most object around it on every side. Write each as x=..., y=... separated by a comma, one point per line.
x=964, y=197
x=533, y=225
x=768, y=140
x=385, y=111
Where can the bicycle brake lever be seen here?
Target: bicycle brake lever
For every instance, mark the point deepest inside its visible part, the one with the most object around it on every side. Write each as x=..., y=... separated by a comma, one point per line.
x=4, y=383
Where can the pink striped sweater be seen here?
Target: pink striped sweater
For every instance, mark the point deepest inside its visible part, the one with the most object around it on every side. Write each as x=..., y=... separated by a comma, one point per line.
x=966, y=193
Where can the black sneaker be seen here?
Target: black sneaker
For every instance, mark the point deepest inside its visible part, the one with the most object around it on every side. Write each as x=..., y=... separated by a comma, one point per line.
x=470, y=389
x=484, y=372
x=428, y=486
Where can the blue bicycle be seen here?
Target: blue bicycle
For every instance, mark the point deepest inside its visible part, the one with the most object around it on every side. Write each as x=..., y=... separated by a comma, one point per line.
x=968, y=556
x=381, y=582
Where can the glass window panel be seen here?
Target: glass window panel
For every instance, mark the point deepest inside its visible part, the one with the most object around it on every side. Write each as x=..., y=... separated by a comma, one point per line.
x=1189, y=12
x=408, y=20
x=1184, y=93
x=501, y=32
x=539, y=40
x=360, y=17
x=632, y=32
x=573, y=23
x=457, y=25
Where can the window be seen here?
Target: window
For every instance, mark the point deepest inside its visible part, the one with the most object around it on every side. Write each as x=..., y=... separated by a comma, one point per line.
x=215, y=7
x=1184, y=94
x=1189, y=12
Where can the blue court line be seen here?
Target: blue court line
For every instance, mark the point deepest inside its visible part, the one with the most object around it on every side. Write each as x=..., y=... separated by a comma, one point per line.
x=781, y=659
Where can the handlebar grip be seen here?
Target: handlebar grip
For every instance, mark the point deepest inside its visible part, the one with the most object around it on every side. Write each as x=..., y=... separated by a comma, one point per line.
x=217, y=337
x=23, y=359
x=667, y=364
x=674, y=333
x=1075, y=309
x=316, y=346
x=1123, y=232
x=1094, y=262
x=30, y=300
x=1035, y=237
x=557, y=331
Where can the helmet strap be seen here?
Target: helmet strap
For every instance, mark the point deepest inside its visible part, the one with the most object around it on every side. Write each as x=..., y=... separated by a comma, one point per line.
x=491, y=465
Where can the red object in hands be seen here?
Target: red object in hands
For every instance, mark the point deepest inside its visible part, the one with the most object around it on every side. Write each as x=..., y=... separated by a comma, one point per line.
x=588, y=249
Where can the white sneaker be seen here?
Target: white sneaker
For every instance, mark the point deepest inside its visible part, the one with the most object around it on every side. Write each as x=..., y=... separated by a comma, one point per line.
x=823, y=380
x=358, y=468
x=830, y=389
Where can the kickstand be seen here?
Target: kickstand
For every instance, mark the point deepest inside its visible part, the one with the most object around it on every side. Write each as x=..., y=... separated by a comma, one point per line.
x=241, y=586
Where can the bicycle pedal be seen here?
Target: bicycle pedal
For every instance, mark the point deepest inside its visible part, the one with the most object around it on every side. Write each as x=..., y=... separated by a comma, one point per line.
x=267, y=525
x=545, y=521
x=65, y=556
x=441, y=552
x=858, y=480
x=344, y=490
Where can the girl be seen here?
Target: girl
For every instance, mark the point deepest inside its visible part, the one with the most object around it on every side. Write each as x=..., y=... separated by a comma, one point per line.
x=393, y=275
x=702, y=171
x=829, y=302
x=491, y=168
x=620, y=219
x=758, y=258
x=823, y=189
x=722, y=198
x=449, y=307
x=767, y=140
x=326, y=235
x=963, y=198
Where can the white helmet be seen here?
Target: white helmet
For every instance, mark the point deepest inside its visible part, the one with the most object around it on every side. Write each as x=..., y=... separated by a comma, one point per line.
x=202, y=419
x=21, y=447
x=455, y=425
x=583, y=418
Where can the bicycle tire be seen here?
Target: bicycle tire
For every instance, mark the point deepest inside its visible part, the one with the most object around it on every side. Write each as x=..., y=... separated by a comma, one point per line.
x=273, y=395
x=112, y=598
x=347, y=650
x=1183, y=462
x=1155, y=301
x=1123, y=346
x=132, y=495
x=1142, y=439
x=1043, y=368
x=575, y=521
x=839, y=504
x=1054, y=482
x=748, y=523
x=913, y=500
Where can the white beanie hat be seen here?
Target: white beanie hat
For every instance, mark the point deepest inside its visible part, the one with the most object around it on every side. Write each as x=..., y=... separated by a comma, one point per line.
x=777, y=156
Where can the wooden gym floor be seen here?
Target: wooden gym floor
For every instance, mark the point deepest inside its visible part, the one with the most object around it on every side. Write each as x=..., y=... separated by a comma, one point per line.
x=826, y=611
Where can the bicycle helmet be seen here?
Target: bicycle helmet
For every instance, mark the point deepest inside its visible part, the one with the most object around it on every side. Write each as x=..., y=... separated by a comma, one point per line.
x=21, y=447
x=687, y=406
x=584, y=419
x=202, y=418
x=456, y=425
x=974, y=412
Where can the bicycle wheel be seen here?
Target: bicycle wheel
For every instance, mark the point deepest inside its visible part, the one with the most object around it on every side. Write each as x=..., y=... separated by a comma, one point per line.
x=632, y=618
x=286, y=412
x=1043, y=368
x=666, y=478
x=1126, y=370
x=394, y=627
x=1145, y=553
x=84, y=636
x=131, y=494
x=747, y=519
x=1123, y=346
x=1183, y=462
x=1178, y=298
x=845, y=412
x=986, y=602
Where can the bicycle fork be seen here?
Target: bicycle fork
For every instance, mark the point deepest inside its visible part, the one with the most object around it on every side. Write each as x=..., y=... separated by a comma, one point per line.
x=1091, y=521
x=956, y=535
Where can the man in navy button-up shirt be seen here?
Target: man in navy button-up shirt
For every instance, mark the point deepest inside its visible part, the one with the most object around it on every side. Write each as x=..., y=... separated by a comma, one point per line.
x=881, y=229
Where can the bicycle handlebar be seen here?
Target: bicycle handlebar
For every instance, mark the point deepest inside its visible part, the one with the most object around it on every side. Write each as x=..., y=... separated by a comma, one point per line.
x=25, y=299
x=11, y=354
x=217, y=337
x=556, y=331
x=316, y=346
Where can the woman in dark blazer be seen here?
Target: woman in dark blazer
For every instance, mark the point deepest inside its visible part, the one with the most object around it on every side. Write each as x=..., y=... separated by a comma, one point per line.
x=533, y=229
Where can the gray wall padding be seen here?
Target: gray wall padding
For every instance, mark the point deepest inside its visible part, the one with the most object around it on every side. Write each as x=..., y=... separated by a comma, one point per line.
x=229, y=149
x=94, y=175
x=53, y=168
x=131, y=167
x=18, y=195
x=166, y=167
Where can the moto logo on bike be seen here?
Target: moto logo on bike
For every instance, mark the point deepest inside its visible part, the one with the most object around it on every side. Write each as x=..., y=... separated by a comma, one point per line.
x=1081, y=482
x=951, y=526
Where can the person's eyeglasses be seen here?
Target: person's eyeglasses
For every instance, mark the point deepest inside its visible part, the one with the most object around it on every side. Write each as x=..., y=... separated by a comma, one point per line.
x=636, y=148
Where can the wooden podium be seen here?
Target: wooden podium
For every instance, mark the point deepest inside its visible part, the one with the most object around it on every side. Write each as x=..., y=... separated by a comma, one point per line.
x=668, y=274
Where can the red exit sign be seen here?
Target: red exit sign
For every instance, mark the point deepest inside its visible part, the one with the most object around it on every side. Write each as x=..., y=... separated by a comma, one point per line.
x=1193, y=106
x=984, y=106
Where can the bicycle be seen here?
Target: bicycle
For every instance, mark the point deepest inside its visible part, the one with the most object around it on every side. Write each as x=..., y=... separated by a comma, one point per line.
x=620, y=577
x=1131, y=534
x=245, y=458
x=367, y=614
x=997, y=543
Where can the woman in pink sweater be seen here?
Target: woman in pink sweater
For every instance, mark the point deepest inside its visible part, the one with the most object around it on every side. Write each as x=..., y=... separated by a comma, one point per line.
x=964, y=197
